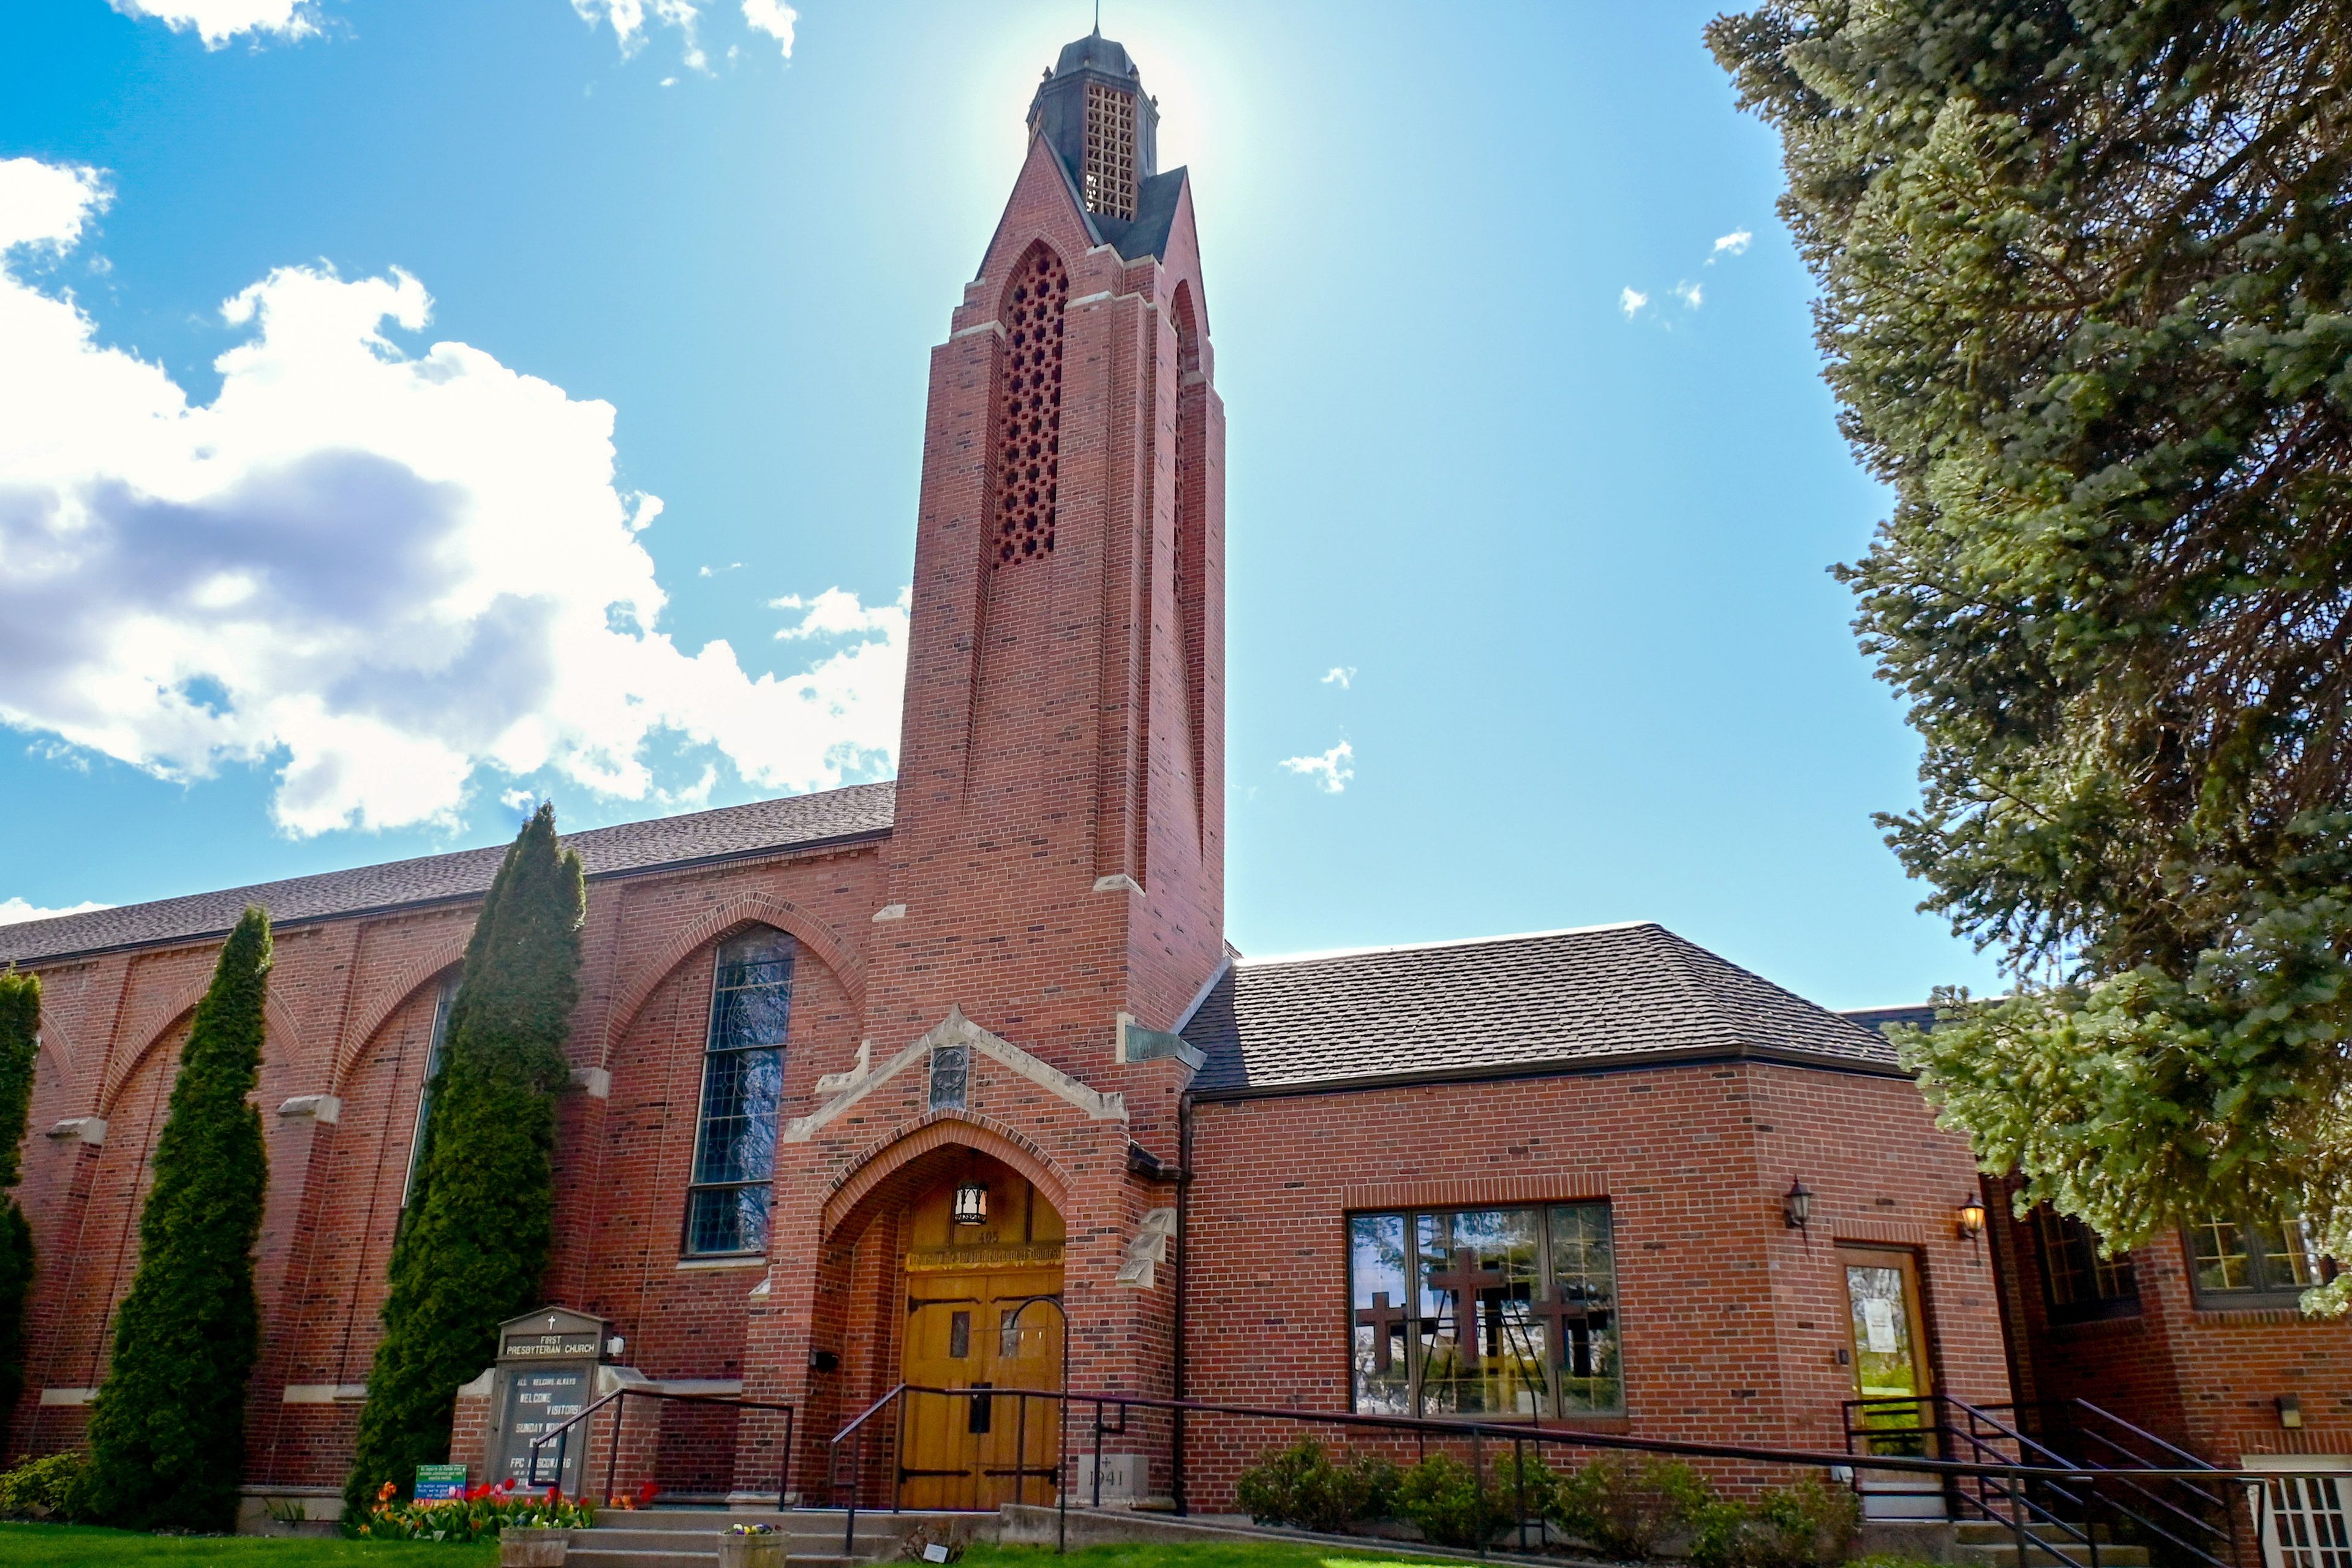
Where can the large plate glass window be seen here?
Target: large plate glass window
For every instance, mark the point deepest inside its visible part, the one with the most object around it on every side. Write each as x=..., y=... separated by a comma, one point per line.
x=1484, y=1312
x=742, y=1079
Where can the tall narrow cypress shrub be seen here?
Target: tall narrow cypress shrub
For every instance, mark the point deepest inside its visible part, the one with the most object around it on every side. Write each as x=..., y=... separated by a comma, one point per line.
x=167, y=1435
x=473, y=1240
x=20, y=1036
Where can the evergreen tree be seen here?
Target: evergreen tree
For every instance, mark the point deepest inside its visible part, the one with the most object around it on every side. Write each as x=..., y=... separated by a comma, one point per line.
x=474, y=1239
x=20, y=1036
x=2086, y=298
x=167, y=1434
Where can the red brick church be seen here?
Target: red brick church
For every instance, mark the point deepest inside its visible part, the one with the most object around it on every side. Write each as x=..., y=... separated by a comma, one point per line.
x=857, y=1074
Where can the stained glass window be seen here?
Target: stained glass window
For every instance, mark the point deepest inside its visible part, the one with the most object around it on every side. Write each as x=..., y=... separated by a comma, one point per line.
x=950, y=1077
x=2240, y=1260
x=1484, y=1312
x=742, y=1079
x=424, y=1096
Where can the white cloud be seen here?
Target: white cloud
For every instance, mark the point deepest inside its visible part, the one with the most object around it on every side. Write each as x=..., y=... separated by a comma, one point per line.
x=1330, y=772
x=218, y=21
x=715, y=571
x=13, y=910
x=44, y=206
x=520, y=800
x=628, y=18
x=1689, y=293
x=1631, y=301
x=836, y=613
x=1342, y=676
x=1736, y=242
x=774, y=18
x=383, y=575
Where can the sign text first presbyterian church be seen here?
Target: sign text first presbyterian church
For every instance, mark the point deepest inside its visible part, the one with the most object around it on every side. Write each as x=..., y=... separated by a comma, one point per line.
x=1542, y=1175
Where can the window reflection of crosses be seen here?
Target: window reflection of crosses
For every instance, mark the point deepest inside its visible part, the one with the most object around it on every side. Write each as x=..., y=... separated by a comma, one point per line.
x=1029, y=417
x=1507, y=1312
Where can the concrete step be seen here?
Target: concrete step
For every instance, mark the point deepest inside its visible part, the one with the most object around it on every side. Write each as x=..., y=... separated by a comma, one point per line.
x=579, y=1556
x=1992, y=1532
x=1988, y=1556
x=688, y=1537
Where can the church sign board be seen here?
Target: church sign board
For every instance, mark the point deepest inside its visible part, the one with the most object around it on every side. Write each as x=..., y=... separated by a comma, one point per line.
x=546, y=1375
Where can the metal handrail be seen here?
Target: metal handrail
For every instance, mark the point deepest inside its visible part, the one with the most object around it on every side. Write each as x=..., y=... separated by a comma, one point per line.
x=1982, y=1436
x=561, y=1435
x=2074, y=1483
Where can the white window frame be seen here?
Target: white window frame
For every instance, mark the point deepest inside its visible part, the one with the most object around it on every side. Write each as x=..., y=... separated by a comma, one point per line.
x=2316, y=1538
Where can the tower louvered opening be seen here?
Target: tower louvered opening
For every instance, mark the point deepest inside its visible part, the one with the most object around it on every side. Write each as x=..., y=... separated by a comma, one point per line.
x=1110, y=151
x=1029, y=425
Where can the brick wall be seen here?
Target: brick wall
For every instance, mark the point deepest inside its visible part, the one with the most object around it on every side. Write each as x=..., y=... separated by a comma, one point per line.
x=2206, y=1379
x=1730, y=1322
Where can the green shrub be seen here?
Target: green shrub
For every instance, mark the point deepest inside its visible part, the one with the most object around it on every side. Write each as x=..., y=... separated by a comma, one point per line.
x=40, y=1488
x=473, y=1242
x=1445, y=1499
x=1524, y=1482
x=1805, y=1525
x=1623, y=1507
x=20, y=1041
x=1300, y=1486
x=167, y=1432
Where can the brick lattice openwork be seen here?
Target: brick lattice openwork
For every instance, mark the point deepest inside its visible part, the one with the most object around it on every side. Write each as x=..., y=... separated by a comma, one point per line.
x=1028, y=439
x=1110, y=151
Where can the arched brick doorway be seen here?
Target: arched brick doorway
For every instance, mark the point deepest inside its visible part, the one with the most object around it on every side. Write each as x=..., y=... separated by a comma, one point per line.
x=966, y=1282
x=912, y=1297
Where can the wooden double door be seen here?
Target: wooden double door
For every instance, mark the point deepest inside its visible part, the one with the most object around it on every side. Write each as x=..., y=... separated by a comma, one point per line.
x=973, y=1332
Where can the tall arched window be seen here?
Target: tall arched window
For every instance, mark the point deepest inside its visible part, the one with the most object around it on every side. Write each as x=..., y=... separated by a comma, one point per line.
x=742, y=1079
x=433, y=1053
x=1029, y=422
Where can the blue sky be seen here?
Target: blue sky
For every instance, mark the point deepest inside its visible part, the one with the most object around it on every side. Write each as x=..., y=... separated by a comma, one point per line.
x=1569, y=550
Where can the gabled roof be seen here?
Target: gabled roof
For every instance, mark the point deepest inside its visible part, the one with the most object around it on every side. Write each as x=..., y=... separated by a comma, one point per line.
x=1156, y=200
x=735, y=832
x=1567, y=1001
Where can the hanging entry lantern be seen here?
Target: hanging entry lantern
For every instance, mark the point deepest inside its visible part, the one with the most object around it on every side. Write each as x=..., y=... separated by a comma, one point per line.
x=970, y=1202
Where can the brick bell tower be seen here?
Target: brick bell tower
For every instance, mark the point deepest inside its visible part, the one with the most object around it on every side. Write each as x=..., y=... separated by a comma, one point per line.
x=1055, y=896
x=1058, y=857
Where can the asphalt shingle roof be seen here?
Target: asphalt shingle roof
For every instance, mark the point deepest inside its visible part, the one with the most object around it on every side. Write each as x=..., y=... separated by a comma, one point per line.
x=1918, y=1014
x=1504, y=1006
x=858, y=812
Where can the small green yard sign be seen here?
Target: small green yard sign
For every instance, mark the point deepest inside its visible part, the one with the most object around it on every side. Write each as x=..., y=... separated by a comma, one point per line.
x=440, y=1482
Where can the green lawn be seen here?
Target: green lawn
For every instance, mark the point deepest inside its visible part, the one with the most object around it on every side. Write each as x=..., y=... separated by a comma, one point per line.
x=59, y=1543
x=54, y=1544
x=1206, y=1554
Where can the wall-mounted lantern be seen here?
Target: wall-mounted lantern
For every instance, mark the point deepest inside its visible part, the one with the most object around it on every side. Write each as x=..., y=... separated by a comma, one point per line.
x=1796, y=1206
x=1972, y=1218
